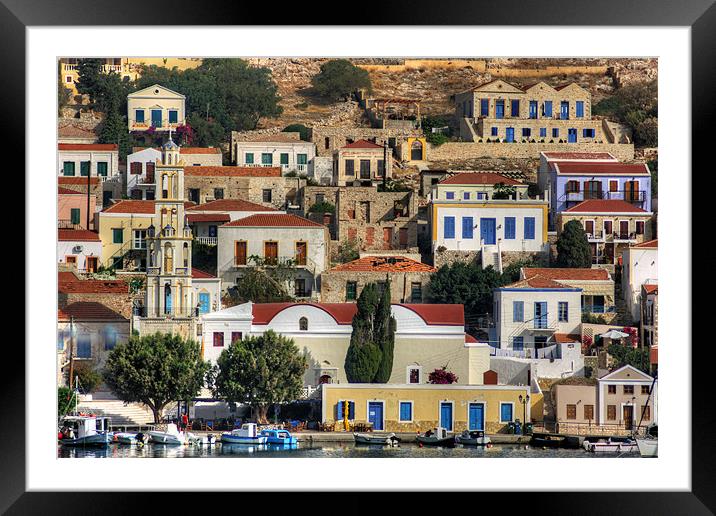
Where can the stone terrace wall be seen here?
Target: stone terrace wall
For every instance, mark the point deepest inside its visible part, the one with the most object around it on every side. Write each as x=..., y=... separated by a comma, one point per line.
x=337, y=136
x=472, y=150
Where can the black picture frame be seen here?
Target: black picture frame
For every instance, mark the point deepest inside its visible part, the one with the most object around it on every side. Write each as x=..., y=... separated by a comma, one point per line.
x=700, y=15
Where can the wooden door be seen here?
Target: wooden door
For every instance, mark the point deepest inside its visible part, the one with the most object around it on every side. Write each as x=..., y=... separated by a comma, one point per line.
x=403, y=235
x=240, y=253
x=387, y=238
x=301, y=252
x=628, y=413
x=271, y=252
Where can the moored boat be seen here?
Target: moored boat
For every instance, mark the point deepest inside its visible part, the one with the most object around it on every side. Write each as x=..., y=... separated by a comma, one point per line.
x=472, y=438
x=247, y=434
x=611, y=445
x=82, y=431
x=436, y=437
x=276, y=436
x=378, y=439
x=172, y=436
x=547, y=440
x=130, y=438
x=648, y=446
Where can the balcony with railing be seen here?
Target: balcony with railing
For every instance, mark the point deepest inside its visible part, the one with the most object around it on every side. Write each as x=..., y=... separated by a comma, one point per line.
x=207, y=240
x=636, y=197
x=595, y=236
x=68, y=224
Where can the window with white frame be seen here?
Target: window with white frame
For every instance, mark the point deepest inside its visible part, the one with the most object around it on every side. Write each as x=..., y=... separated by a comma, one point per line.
x=405, y=411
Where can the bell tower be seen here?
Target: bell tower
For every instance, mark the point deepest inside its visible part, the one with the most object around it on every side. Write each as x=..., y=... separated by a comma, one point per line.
x=169, y=292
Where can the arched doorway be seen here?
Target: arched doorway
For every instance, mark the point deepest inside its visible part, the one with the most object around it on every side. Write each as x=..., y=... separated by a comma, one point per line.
x=325, y=378
x=416, y=150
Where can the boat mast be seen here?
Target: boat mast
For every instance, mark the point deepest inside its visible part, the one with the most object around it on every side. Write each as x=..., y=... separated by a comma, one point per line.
x=643, y=409
x=72, y=349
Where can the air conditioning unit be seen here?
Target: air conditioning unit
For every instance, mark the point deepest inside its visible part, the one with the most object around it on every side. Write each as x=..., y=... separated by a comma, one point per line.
x=77, y=249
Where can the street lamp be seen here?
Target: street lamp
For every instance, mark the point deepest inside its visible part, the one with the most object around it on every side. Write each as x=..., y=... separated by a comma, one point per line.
x=524, y=400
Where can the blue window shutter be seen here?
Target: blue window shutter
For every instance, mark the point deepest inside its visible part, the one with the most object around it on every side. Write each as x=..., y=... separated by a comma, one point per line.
x=484, y=107
x=339, y=410
x=509, y=228
x=529, y=228
x=515, y=109
x=543, y=132
x=351, y=410
x=449, y=231
x=494, y=131
x=555, y=133
x=449, y=195
x=518, y=343
x=506, y=412
x=467, y=227
x=580, y=108
x=548, y=108
x=518, y=311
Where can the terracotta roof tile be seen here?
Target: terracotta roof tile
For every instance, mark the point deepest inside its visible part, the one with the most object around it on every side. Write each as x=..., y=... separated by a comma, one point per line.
x=230, y=205
x=199, y=150
x=273, y=220
x=567, y=274
x=71, y=131
x=470, y=338
x=536, y=282
x=200, y=274
x=586, y=156
x=651, y=288
x=605, y=206
x=601, y=168
x=567, y=338
x=653, y=244
x=87, y=146
x=137, y=206
x=362, y=144
x=75, y=285
x=207, y=217
x=81, y=180
x=88, y=311
x=65, y=276
x=479, y=178
x=77, y=235
x=383, y=264
x=233, y=171
x=67, y=191
x=440, y=315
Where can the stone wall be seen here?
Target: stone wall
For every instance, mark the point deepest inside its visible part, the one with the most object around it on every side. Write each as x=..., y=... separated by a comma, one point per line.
x=471, y=150
x=251, y=189
x=517, y=256
x=448, y=257
x=330, y=139
x=186, y=328
x=333, y=284
x=120, y=303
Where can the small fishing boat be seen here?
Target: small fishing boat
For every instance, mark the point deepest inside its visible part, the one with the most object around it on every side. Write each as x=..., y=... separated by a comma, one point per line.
x=172, y=436
x=82, y=431
x=611, y=445
x=473, y=438
x=276, y=436
x=247, y=434
x=130, y=438
x=648, y=446
x=546, y=440
x=436, y=437
x=380, y=439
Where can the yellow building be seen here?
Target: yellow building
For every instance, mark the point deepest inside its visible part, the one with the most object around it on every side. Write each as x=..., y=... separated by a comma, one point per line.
x=411, y=408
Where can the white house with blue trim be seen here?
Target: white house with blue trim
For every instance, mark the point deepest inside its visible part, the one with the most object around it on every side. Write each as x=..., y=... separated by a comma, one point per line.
x=535, y=314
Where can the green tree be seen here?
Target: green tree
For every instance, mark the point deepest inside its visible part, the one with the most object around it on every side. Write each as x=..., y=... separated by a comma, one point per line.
x=66, y=400
x=155, y=370
x=627, y=355
x=259, y=371
x=339, y=78
x=114, y=130
x=89, y=72
x=503, y=191
x=298, y=128
x=347, y=251
x=573, y=247
x=88, y=377
x=207, y=133
x=466, y=284
x=258, y=286
x=364, y=357
x=654, y=169
x=637, y=106
x=384, y=336
x=64, y=95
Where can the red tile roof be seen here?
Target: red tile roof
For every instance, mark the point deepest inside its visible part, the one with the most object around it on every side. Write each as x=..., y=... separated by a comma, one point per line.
x=65, y=276
x=567, y=273
x=383, y=264
x=579, y=156
x=233, y=171
x=343, y=313
x=479, y=178
x=88, y=311
x=67, y=191
x=362, y=144
x=68, y=283
x=567, y=338
x=605, y=206
x=270, y=138
x=199, y=150
x=611, y=168
x=230, y=205
x=82, y=181
x=653, y=244
x=207, y=217
x=200, y=274
x=71, y=131
x=280, y=220
x=87, y=146
x=651, y=288
x=470, y=338
x=77, y=235
x=137, y=206
x=536, y=282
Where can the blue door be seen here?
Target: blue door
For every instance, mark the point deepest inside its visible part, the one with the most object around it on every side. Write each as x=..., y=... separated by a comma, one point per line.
x=572, y=135
x=541, y=314
x=204, y=303
x=500, y=109
x=446, y=416
x=167, y=300
x=564, y=110
x=487, y=231
x=533, y=109
x=510, y=134
x=157, y=117
x=476, y=417
x=375, y=414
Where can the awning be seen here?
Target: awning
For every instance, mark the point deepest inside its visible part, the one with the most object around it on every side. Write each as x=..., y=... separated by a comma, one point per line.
x=614, y=334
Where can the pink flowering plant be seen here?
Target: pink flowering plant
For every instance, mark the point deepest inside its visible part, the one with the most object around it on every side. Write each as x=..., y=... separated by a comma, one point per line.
x=442, y=376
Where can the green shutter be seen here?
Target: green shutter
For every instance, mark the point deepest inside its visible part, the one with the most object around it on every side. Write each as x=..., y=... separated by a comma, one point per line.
x=284, y=158
x=249, y=158
x=75, y=215
x=84, y=168
x=68, y=168
x=117, y=236
x=302, y=159
x=102, y=168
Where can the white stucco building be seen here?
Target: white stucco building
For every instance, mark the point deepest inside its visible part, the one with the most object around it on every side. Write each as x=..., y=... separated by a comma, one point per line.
x=284, y=149
x=79, y=248
x=275, y=238
x=640, y=266
x=427, y=338
x=206, y=218
x=155, y=106
x=206, y=289
x=88, y=159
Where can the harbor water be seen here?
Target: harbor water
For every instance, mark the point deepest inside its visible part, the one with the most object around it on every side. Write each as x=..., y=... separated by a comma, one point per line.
x=330, y=450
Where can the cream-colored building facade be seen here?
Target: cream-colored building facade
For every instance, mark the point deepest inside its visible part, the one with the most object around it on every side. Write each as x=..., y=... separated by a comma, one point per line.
x=361, y=161
x=155, y=106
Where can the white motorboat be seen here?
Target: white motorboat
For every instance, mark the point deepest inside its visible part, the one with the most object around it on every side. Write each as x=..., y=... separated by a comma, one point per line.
x=171, y=436
x=648, y=446
x=611, y=445
x=381, y=439
x=82, y=430
x=130, y=438
x=473, y=438
x=247, y=434
x=436, y=437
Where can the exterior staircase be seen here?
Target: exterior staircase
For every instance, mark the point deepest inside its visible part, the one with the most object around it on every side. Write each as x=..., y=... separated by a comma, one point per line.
x=623, y=316
x=131, y=415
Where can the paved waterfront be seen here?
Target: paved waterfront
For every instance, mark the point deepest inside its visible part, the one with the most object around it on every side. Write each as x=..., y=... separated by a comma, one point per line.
x=329, y=450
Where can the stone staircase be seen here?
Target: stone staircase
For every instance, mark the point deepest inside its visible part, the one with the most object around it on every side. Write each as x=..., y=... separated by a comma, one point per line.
x=132, y=415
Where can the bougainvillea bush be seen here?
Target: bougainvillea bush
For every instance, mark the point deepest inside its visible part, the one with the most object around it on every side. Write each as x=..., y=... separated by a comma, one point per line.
x=442, y=376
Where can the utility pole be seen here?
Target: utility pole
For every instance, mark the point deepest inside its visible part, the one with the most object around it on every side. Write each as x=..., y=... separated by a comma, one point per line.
x=89, y=177
x=385, y=163
x=72, y=349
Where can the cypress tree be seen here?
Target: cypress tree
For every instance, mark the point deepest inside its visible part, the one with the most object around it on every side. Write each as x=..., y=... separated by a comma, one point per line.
x=363, y=357
x=384, y=336
x=573, y=247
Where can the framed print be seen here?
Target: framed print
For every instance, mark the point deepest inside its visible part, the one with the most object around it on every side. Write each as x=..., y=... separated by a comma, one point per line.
x=428, y=250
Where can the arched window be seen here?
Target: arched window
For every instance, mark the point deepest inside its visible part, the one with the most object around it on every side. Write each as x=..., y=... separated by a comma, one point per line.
x=303, y=324
x=325, y=378
x=416, y=150
x=186, y=254
x=168, y=258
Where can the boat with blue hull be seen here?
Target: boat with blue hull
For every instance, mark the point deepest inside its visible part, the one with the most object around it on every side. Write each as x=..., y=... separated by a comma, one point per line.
x=83, y=431
x=277, y=436
x=247, y=434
